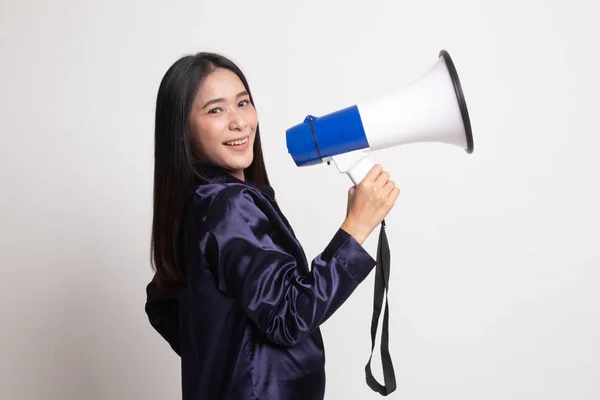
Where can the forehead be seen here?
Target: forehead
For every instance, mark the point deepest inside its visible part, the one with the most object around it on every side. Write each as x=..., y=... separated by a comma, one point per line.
x=220, y=83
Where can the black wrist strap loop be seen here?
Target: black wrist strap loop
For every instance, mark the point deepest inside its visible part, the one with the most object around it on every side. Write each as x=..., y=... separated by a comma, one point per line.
x=382, y=277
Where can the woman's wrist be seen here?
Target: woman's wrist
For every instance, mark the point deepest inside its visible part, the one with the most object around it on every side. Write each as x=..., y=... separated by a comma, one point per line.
x=354, y=230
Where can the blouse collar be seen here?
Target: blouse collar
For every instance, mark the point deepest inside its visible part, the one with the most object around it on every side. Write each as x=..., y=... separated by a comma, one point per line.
x=214, y=174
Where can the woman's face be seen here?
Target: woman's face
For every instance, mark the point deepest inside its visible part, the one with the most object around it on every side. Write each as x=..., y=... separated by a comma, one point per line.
x=223, y=123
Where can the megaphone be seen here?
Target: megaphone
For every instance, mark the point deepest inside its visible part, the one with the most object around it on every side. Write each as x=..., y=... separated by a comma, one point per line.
x=430, y=109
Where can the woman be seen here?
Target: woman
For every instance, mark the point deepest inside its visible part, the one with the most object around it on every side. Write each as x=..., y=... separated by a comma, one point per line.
x=233, y=294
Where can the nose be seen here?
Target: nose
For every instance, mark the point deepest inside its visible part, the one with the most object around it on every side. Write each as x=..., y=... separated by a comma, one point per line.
x=237, y=121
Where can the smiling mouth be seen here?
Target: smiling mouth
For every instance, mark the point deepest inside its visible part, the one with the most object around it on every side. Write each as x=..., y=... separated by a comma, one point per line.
x=238, y=142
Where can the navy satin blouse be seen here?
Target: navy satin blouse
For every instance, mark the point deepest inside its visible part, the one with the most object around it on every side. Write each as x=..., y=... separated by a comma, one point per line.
x=247, y=324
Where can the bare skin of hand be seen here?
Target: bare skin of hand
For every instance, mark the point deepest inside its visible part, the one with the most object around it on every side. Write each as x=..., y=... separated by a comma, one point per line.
x=369, y=203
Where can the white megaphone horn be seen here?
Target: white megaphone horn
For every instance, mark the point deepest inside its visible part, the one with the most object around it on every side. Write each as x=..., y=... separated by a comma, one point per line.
x=431, y=109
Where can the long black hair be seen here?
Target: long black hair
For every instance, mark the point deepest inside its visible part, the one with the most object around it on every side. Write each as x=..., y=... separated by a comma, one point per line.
x=174, y=172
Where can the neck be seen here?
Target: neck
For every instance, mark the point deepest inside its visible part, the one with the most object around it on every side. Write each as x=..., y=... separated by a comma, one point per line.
x=239, y=174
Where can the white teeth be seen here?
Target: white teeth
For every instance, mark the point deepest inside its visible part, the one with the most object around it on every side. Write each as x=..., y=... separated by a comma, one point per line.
x=237, y=142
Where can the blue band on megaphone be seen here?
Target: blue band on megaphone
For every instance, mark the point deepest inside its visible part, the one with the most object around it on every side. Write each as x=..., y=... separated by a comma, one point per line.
x=320, y=137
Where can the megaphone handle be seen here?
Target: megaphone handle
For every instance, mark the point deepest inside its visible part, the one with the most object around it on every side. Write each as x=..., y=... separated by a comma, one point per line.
x=360, y=170
x=356, y=164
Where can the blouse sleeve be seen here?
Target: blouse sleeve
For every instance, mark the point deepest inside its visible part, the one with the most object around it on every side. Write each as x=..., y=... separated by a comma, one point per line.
x=162, y=309
x=284, y=299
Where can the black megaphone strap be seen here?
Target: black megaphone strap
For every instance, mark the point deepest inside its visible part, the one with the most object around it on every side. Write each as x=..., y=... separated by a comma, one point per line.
x=382, y=277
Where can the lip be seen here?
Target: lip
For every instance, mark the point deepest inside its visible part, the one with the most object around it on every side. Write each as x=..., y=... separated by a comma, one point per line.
x=239, y=138
x=238, y=148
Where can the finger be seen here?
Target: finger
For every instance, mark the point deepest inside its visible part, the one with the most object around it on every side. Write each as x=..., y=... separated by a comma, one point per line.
x=395, y=193
x=373, y=173
x=388, y=187
x=383, y=178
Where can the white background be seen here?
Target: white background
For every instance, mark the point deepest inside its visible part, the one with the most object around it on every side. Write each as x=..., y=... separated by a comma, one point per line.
x=495, y=277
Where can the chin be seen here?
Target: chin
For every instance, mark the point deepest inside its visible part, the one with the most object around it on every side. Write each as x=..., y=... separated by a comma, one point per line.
x=240, y=164
x=246, y=164
x=239, y=161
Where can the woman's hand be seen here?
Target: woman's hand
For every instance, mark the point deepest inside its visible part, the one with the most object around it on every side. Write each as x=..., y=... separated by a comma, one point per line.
x=369, y=203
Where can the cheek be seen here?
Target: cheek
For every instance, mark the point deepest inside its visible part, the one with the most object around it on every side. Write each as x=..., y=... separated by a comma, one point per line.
x=252, y=118
x=207, y=133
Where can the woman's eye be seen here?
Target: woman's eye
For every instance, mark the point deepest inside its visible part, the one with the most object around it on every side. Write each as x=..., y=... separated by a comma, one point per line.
x=214, y=111
x=244, y=103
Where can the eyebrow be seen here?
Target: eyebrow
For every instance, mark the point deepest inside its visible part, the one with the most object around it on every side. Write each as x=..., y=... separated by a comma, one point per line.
x=213, y=101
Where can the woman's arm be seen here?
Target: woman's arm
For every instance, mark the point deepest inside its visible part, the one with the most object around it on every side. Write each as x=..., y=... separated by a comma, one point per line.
x=286, y=302
x=163, y=313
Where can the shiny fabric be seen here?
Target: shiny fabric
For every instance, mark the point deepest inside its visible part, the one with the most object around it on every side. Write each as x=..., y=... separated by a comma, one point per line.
x=247, y=324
